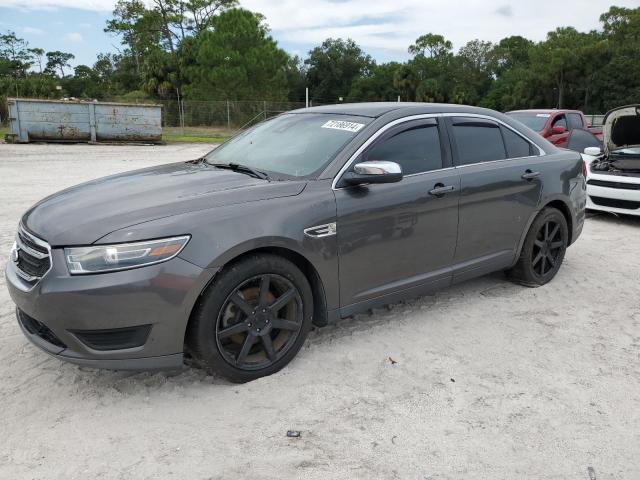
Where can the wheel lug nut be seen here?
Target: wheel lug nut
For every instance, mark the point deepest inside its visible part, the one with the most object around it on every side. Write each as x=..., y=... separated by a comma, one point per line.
x=257, y=329
x=248, y=324
x=264, y=310
x=267, y=320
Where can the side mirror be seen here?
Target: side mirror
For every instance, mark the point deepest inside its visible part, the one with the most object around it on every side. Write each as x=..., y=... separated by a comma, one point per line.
x=592, y=151
x=558, y=130
x=374, y=172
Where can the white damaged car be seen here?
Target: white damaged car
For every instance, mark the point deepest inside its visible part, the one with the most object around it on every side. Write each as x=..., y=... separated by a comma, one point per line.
x=613, y=172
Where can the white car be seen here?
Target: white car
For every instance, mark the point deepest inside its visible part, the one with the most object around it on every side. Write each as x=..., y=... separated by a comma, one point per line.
x=613, y=174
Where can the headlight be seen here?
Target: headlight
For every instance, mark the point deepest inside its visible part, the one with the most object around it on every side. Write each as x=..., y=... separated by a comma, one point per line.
x=108, y=258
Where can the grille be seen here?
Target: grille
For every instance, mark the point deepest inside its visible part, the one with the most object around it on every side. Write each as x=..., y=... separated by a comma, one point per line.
x=34, y=327
x=612, y=202
x=33, y=256
x=620, y=185
x=114, y=338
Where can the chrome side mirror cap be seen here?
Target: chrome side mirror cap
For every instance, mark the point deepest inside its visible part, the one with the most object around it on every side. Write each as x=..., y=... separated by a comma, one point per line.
x=374, y=172
x=592, y=151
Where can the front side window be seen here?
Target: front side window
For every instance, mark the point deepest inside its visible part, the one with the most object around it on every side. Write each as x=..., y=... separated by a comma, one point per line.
x=560, y=121
x=290, y=145
x=477, y=140
x=416, y=149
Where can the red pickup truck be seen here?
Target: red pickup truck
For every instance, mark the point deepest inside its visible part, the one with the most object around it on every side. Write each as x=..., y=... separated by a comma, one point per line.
x=555, y=125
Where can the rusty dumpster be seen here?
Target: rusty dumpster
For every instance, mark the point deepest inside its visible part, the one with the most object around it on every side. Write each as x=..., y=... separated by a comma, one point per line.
x=82, y=121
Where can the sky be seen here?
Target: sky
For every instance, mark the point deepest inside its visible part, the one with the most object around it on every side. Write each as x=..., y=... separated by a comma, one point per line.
x=383, y=28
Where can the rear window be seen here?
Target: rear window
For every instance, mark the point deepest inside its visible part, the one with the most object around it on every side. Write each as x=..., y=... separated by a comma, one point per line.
x=535, y=121
x=516, y=145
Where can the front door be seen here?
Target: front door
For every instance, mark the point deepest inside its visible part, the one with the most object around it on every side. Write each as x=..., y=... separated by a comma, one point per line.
x=398, y=236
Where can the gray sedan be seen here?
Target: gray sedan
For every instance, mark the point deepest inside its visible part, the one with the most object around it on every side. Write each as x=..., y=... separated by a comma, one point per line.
x=309, y=217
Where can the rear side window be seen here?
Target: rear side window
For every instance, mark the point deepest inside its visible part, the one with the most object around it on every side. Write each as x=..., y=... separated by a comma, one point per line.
x=575, y=121
x=477, y=140
x=416, y=149
x=516, y=145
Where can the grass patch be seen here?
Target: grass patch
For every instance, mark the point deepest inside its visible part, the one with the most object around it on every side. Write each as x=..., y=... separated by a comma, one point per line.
x=177, y=135
x=195, y=134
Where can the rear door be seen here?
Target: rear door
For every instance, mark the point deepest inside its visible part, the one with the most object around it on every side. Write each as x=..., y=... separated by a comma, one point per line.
x=392, y=237
x=500, y=190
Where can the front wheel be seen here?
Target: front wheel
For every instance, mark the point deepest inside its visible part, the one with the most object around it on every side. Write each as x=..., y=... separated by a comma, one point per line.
x=253, y=319
x=543, y=250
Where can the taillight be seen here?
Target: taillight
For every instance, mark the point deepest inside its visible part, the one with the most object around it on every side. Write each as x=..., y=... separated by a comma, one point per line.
x=584, y=168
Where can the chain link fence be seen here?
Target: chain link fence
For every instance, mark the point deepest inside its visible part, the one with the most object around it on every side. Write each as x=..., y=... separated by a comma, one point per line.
x=216, y=119
x=213, y=120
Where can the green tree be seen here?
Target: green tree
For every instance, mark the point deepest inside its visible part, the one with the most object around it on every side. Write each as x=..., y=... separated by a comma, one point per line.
x=15, y=57
x=296, y=78
x=431, y=45
x=378, y=86
x=618, y=82
x=332, y=68
x=57, y=61
x=237, y=60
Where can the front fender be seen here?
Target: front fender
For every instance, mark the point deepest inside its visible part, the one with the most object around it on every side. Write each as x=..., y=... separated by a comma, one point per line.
x=219, y=235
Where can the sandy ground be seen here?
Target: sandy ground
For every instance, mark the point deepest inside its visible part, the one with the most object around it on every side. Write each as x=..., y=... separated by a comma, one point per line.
x=491, y=380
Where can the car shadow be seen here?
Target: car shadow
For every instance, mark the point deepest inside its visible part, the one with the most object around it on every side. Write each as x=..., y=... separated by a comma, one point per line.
x=489, y=286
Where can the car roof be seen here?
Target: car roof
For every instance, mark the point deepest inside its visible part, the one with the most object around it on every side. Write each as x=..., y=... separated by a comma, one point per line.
x=378, y=109
x=544, y=110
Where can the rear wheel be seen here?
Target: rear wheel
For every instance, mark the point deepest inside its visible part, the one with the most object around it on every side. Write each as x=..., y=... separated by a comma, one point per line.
x=543, y=250
x=253, y=319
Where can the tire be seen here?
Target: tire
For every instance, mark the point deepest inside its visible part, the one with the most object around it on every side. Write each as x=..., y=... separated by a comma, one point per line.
x=242, y=330
x=543, y=250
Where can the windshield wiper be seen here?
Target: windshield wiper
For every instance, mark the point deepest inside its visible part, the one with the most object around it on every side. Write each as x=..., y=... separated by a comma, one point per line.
x=238, y=167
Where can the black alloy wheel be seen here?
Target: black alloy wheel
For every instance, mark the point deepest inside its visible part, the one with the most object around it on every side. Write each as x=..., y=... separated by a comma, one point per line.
x=252, y=319
x=259, y=322
x=543, y=249
x=547, y=248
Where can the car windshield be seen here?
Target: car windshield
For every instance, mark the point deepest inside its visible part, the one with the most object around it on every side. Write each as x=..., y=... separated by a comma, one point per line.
x=290, y=145
x=535, y=121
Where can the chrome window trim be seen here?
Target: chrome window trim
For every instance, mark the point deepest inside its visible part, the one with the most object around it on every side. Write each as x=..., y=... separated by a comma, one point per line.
x=372, y=138
x=541, y=152
x=399, y=121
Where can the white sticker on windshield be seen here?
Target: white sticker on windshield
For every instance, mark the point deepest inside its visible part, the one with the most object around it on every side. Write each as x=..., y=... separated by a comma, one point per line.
x=342, y=125
x=544, y=115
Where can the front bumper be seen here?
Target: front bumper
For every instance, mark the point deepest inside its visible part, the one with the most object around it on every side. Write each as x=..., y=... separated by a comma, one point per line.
x=612, y=193
x=65, y=315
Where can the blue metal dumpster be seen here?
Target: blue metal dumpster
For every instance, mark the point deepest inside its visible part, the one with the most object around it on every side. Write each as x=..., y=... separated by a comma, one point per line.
x=76, y=121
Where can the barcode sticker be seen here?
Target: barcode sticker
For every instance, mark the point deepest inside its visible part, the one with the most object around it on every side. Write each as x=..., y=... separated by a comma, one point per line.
x=342, y=125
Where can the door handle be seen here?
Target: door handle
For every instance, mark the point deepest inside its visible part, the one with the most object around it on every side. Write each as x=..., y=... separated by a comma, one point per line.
x=529, y=175
x=439, y=189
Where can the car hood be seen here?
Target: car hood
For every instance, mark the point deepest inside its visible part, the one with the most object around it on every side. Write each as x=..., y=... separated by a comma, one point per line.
x=83, y=214
x=621, y=128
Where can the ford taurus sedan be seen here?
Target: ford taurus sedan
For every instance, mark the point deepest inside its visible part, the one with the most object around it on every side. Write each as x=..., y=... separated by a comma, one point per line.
x=309, y=217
